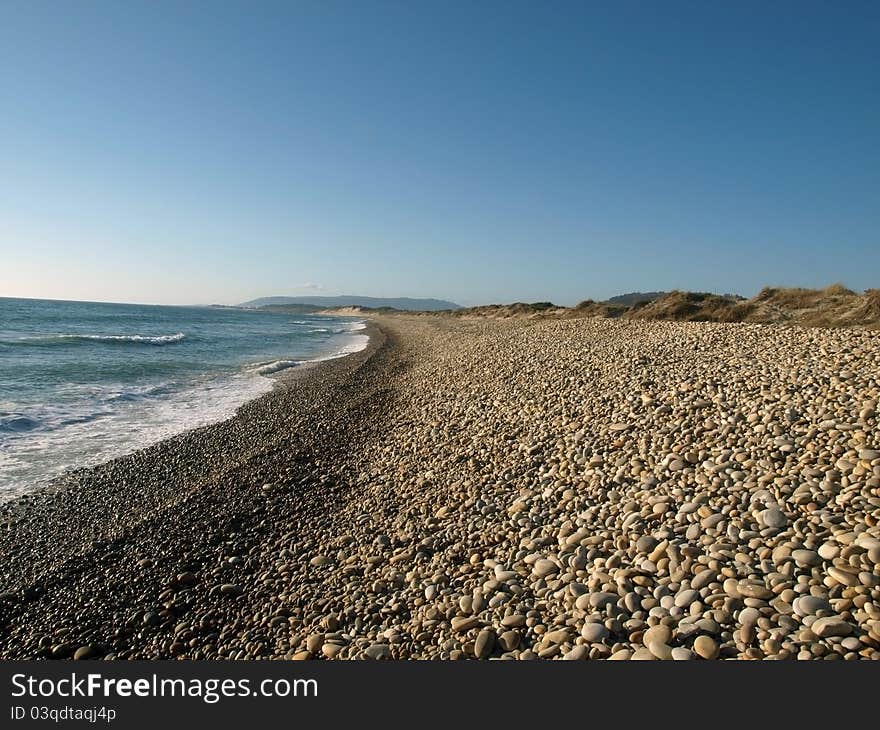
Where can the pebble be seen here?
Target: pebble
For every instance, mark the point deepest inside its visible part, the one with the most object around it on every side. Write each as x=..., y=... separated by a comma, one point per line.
x=461, y=624
x=660, y=650
x=576, y=653
x=513, y=621
x=809, y=605
x=774, y=517
x=754, y=589
x=594, y=632
x=378, y=651
x=806, y=557
x=705, y=647
x=831, y=626
x=484, y=644
x=84, y=652
x=843, y=577
x=543, y=567
x=660, y=634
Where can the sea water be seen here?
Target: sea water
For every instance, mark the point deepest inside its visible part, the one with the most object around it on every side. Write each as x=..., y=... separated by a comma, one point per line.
x=83, y=382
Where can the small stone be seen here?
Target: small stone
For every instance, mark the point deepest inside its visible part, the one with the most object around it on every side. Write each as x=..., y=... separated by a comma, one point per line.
x=84, y=652
x=314, y=643
x=577, y=653
x=774, y=517
x=702, y=579
x=705, y=647
x=642, y=654
x=484, y=644
x=378, y=651
x=601, y=599
x=460, y=624
x=659, y=634
x=806, y=557
x=60, y=651
x=594, y=632
x=842, y=577
x=831, y=626
x=230, y=589
x=509, y=640
x=660, y=650
x=809, y=605
x=754, y=589
x=560, y=636
x=513, y=621
x=749, y=616
x=543, y=567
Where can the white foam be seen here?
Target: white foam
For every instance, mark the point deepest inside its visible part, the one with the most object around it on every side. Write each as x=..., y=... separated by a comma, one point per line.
x=139, y=339
x=274, y=366
x=128, y=427
x=146, y=339
x=353, y=344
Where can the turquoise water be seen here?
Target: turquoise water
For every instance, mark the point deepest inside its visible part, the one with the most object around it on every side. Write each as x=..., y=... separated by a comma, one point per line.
x=83, y=382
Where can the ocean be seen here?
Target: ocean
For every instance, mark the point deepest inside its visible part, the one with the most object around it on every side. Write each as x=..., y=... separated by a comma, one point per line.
x=83, y=382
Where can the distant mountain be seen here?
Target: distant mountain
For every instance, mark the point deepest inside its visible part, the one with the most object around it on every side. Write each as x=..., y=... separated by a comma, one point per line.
x=636, y=297
x=416, y=305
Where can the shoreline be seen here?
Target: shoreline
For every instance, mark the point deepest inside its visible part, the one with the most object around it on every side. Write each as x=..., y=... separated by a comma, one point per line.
x=282, y=379
x=50, y=537
x=578, y=489
x=240, y=385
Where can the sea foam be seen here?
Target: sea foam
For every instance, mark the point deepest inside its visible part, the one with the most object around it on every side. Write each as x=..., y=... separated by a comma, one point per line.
x=109, y=339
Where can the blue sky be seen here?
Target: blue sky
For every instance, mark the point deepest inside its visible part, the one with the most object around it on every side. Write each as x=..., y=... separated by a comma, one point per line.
x=214, y=152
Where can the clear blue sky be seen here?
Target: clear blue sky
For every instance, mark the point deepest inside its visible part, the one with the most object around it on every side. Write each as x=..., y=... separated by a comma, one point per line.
x=215, y=152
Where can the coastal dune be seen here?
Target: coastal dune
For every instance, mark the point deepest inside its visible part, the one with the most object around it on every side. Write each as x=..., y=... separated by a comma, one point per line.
x=467, y=488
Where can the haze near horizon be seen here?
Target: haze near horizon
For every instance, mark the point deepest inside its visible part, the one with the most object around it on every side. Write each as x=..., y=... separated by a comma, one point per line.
x=203, y=154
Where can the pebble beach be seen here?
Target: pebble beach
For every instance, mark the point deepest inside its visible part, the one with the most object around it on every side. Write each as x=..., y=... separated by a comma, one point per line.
x=485, y=489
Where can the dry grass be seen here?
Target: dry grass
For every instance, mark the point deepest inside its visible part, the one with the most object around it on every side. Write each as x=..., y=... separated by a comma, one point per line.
x=833, y=306
x=517, y=309
x=692, y=307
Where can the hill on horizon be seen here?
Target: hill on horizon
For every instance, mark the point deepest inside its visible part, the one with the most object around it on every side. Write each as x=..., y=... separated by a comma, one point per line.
x=402, y=303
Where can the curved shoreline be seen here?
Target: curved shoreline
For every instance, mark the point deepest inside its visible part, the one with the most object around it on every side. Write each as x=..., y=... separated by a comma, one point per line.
x=257, y=381
x=141, y=506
